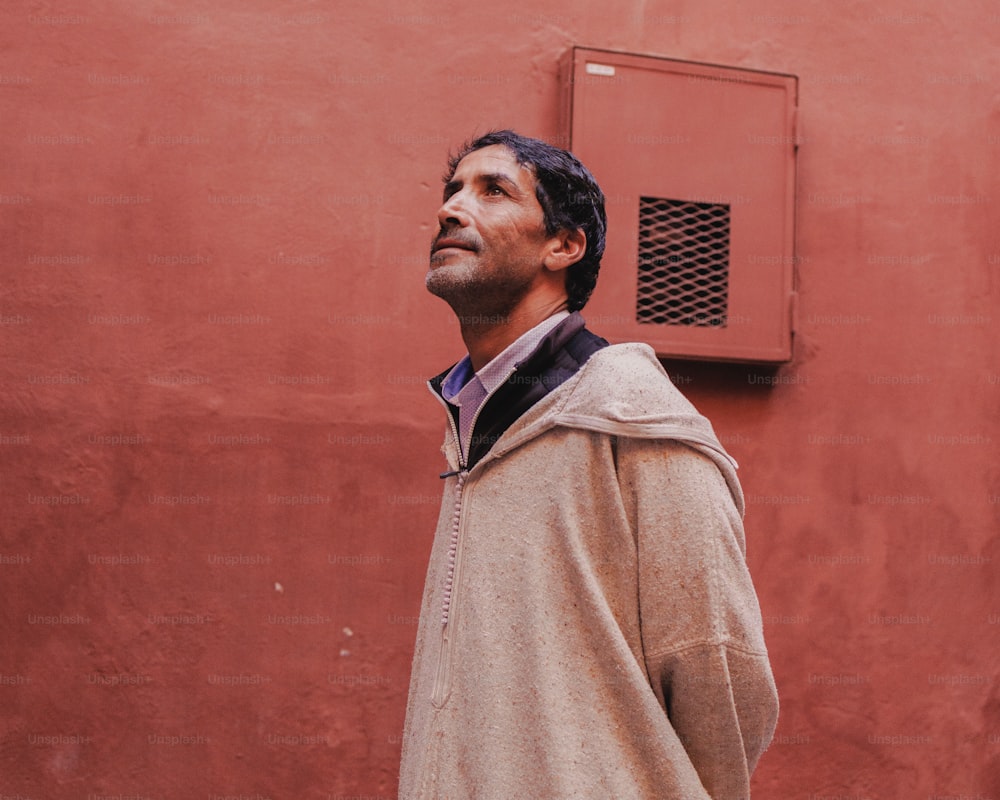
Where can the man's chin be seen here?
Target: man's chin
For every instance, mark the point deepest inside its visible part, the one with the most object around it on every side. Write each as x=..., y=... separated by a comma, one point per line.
x=441, y=284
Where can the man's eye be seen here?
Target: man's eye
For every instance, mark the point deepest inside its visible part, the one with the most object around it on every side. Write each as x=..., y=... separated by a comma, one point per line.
x=495, y=190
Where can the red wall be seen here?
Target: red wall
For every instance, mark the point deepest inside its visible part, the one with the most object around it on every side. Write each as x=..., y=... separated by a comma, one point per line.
x=220, y=464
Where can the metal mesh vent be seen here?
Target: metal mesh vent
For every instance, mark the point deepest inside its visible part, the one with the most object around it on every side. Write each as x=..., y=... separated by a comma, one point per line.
x=683, y=262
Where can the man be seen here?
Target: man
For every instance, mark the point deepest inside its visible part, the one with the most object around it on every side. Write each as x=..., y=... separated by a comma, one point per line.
x=589, y=628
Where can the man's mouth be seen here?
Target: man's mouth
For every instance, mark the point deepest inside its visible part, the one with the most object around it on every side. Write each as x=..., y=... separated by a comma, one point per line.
x=454, y=244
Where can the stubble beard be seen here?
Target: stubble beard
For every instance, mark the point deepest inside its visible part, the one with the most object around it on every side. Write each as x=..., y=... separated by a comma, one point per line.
x=480, y=298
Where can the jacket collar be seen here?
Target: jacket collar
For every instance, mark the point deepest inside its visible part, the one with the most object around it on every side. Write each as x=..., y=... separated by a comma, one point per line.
x=551, y=344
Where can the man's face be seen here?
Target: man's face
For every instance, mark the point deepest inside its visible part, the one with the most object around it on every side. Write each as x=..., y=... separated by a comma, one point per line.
x=488, y=252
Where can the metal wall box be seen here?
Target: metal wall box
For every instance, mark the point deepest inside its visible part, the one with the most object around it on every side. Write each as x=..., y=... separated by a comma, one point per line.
x=697, y=163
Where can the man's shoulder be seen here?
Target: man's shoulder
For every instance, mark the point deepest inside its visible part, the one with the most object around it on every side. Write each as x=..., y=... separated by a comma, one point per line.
x=631, y=357
x=623, y=390
x=630, y=371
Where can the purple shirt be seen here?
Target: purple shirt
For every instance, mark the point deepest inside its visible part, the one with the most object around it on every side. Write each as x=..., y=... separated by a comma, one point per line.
x=468, y=390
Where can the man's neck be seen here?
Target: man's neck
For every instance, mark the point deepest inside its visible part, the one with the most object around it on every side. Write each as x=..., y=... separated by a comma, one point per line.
x=485, y=341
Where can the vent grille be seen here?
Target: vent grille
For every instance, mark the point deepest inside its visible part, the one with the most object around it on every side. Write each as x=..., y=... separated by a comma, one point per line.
x=683, y=263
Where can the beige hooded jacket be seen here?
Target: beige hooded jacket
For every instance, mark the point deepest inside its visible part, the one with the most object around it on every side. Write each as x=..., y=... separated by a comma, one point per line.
x=589, y=628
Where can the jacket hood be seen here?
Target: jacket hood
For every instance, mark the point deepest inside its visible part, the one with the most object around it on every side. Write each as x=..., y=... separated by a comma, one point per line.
x=623, y=390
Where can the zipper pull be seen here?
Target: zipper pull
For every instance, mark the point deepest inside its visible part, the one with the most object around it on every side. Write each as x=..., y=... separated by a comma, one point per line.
x=449, y=474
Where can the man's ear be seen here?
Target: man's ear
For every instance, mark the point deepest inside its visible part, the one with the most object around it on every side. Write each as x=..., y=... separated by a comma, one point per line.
x=565, y=249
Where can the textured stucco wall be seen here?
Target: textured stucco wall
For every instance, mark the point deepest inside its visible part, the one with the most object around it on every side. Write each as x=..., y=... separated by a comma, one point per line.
x=219, y=462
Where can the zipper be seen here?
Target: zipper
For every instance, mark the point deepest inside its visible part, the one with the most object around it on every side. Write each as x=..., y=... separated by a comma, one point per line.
x=456, y=515
x=442, y=679
x=456, y=523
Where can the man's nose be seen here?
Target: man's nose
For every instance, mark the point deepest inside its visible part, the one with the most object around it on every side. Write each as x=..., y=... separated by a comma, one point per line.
x=453, y=211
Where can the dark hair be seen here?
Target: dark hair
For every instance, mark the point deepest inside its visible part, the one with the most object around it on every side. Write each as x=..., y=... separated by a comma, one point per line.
x=568, y=194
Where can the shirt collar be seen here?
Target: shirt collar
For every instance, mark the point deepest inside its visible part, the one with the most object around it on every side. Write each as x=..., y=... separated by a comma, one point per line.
x=494, y=373
x=456, y=379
